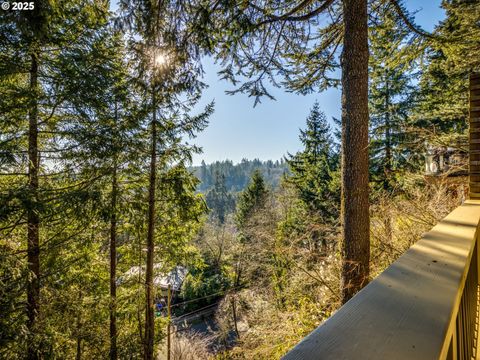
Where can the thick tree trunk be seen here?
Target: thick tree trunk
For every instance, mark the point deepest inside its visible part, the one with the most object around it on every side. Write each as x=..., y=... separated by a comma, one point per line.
x=355, y=207
x=150, y=324
x=33, y=248
x=113, y=254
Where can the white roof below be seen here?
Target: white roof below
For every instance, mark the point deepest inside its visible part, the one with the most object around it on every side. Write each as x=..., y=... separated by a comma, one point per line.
x=174, y=277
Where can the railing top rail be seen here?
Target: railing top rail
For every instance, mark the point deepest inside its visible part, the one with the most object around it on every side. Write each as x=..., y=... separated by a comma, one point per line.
x=409, y=309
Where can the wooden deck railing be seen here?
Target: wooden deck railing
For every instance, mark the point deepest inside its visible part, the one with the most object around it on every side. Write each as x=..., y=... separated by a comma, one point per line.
x=424, y=306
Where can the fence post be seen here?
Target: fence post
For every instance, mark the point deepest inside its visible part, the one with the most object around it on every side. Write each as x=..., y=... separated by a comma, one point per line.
x=474, y=137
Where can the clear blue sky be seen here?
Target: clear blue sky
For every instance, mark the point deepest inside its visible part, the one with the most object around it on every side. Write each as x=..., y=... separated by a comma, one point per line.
x=238, y=130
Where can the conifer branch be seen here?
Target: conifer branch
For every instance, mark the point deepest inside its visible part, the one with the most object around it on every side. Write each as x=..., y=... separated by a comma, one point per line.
x=413, y=27
x=289, y=15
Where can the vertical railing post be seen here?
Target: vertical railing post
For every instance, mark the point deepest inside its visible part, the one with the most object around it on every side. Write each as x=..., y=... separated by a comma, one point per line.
x=474, y=137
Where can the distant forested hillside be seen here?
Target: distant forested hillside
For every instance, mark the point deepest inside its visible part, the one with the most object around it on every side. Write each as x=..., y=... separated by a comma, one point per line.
x=238, y=175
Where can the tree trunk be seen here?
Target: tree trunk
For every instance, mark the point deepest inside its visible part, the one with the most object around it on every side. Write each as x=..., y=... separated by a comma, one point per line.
x=139, y=307
x=33, y=248
x=150, y=322
x=355, y=207
x=234, y=313
x=388, y=156
x=169, y=324
x=388, y=142
x=113, y=251
x=78, y=355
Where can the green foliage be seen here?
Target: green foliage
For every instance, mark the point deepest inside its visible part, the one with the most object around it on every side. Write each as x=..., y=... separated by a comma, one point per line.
x=440, y=118
x=277, y=255
x=272, y=43
x=219, y=200
x=390, y=98
x=92, y=112
x=252, y=199
x=12, y=275
x=203, y=287
x=180, y=215
x=311, y=169
x=238, y=175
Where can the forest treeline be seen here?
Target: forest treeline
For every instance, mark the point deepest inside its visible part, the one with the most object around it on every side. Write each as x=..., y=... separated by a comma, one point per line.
x=97, y=185
x=238, y=175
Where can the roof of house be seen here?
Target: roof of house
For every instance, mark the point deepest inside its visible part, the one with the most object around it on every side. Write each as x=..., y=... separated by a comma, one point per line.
x=174, y=277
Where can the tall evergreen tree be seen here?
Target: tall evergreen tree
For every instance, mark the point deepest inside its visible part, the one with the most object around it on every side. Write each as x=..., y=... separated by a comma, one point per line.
x=311, y=169
x=354, y=198
x=45, y=42
x=250, y=202
x=441, y=115
x=390, y=96
x=219, y=200
x=204, y=175
x=168, y=69
x=264, y=40
x=260, y=41
x=252, y=199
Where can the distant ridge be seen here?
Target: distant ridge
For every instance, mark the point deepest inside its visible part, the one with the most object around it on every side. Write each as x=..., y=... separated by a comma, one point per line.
x=238, y=175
